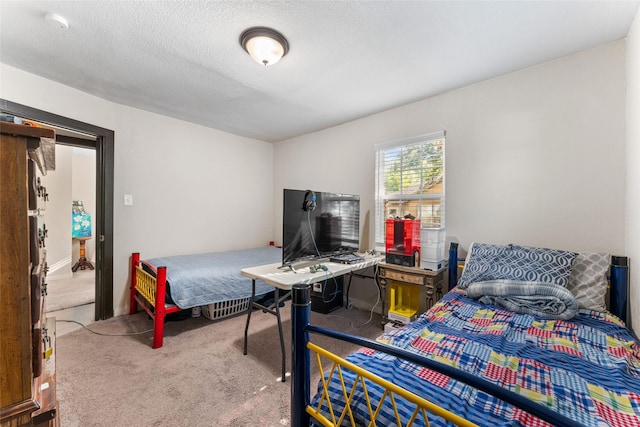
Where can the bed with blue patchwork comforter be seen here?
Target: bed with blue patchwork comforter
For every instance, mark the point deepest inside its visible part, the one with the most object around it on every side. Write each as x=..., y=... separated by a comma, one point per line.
x=587, y=368
x=529, y=320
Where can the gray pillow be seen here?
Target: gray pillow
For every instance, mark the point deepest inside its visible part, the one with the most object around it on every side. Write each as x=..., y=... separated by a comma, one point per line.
x=513, y=262
x=588, y=279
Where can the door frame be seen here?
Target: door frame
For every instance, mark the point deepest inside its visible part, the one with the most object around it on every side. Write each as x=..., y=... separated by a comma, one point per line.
x=104, y=146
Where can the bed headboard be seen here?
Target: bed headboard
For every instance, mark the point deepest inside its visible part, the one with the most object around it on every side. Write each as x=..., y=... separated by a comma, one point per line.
x=619, y=287
x=618, y=282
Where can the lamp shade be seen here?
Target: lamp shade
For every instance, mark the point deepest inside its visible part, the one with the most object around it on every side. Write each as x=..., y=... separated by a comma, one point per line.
x=266, y=46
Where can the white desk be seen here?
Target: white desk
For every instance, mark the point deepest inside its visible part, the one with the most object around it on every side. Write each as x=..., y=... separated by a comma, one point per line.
x=283, y=280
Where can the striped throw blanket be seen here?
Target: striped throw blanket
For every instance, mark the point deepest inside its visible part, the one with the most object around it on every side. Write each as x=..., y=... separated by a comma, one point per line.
x=547, y=300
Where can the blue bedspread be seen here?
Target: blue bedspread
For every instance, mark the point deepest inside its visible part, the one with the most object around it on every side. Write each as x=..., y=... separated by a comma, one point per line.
x=202, y=279
x=588, y=368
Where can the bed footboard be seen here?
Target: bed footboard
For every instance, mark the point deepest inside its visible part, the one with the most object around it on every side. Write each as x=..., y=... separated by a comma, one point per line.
x=364, y=378
x=149, y=293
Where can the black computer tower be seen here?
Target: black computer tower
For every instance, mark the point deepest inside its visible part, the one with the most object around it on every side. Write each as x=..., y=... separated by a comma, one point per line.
x=326, y=296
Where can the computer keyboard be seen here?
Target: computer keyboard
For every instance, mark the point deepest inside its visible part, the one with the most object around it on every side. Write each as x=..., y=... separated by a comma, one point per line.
x=346, y=259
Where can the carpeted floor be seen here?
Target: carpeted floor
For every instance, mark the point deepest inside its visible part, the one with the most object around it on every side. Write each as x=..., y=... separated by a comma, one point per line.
x=73, y=292
x=198, y=378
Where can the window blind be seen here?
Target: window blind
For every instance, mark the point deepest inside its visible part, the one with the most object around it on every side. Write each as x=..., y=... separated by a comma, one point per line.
x=410, y=180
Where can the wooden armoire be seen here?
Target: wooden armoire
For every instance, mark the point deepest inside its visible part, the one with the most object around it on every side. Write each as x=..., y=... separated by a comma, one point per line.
x=27, y=336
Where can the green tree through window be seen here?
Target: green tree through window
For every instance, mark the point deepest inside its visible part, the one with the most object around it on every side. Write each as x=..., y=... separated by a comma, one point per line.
x=410, y=180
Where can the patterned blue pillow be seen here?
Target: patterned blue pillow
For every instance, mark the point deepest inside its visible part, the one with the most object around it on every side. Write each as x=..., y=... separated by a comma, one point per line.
x=493, y=262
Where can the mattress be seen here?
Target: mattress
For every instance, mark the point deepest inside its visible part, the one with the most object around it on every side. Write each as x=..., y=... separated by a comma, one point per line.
x=202, y=279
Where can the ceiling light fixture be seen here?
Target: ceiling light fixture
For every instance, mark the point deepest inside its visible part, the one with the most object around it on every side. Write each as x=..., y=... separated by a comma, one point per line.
x=57, y=21
x=266, y=46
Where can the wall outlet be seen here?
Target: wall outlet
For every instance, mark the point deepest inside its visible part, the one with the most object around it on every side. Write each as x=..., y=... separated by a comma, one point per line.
x=317, y=287
x=128, y=199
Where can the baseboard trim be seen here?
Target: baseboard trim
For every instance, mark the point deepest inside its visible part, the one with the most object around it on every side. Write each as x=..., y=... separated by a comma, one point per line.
x=58, y=267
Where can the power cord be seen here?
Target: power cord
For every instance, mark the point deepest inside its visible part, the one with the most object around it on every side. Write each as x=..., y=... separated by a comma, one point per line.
x=324, y=288
x=328, y=275
x=361, y=325
x=313, y=238
x=378, y=298
x=105, y=335
x=373, y=309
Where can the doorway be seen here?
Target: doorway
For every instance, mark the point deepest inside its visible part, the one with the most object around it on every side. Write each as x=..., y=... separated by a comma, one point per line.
x=102, y=141
x=70, y=219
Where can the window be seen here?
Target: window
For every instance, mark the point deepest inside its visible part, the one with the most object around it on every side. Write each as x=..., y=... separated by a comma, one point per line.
x=410, y=180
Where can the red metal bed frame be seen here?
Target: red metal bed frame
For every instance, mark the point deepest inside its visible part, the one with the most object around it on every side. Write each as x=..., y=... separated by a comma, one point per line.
x=149, y=293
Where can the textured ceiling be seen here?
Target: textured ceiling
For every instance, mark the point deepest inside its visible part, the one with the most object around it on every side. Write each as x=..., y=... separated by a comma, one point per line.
x=347, y=59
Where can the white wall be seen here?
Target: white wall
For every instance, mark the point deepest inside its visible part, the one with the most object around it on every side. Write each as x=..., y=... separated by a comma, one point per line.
x=58, y=214
x=83, y=188
x=633, y=170
x=195, y=189
x=73, y=179
x=535, y=157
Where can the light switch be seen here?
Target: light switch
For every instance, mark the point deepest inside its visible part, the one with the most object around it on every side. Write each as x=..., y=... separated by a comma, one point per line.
x=128, y=199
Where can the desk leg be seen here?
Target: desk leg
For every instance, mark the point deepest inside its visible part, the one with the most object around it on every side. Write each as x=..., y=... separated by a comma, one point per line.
x=277, y=299
x=249, y=310
x=348, y=289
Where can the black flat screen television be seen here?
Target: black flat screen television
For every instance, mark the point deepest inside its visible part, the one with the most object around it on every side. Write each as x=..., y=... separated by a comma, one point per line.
x=311, y=234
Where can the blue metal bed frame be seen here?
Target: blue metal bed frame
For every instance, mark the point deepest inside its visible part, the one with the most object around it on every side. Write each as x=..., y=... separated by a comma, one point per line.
x=302, y=328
